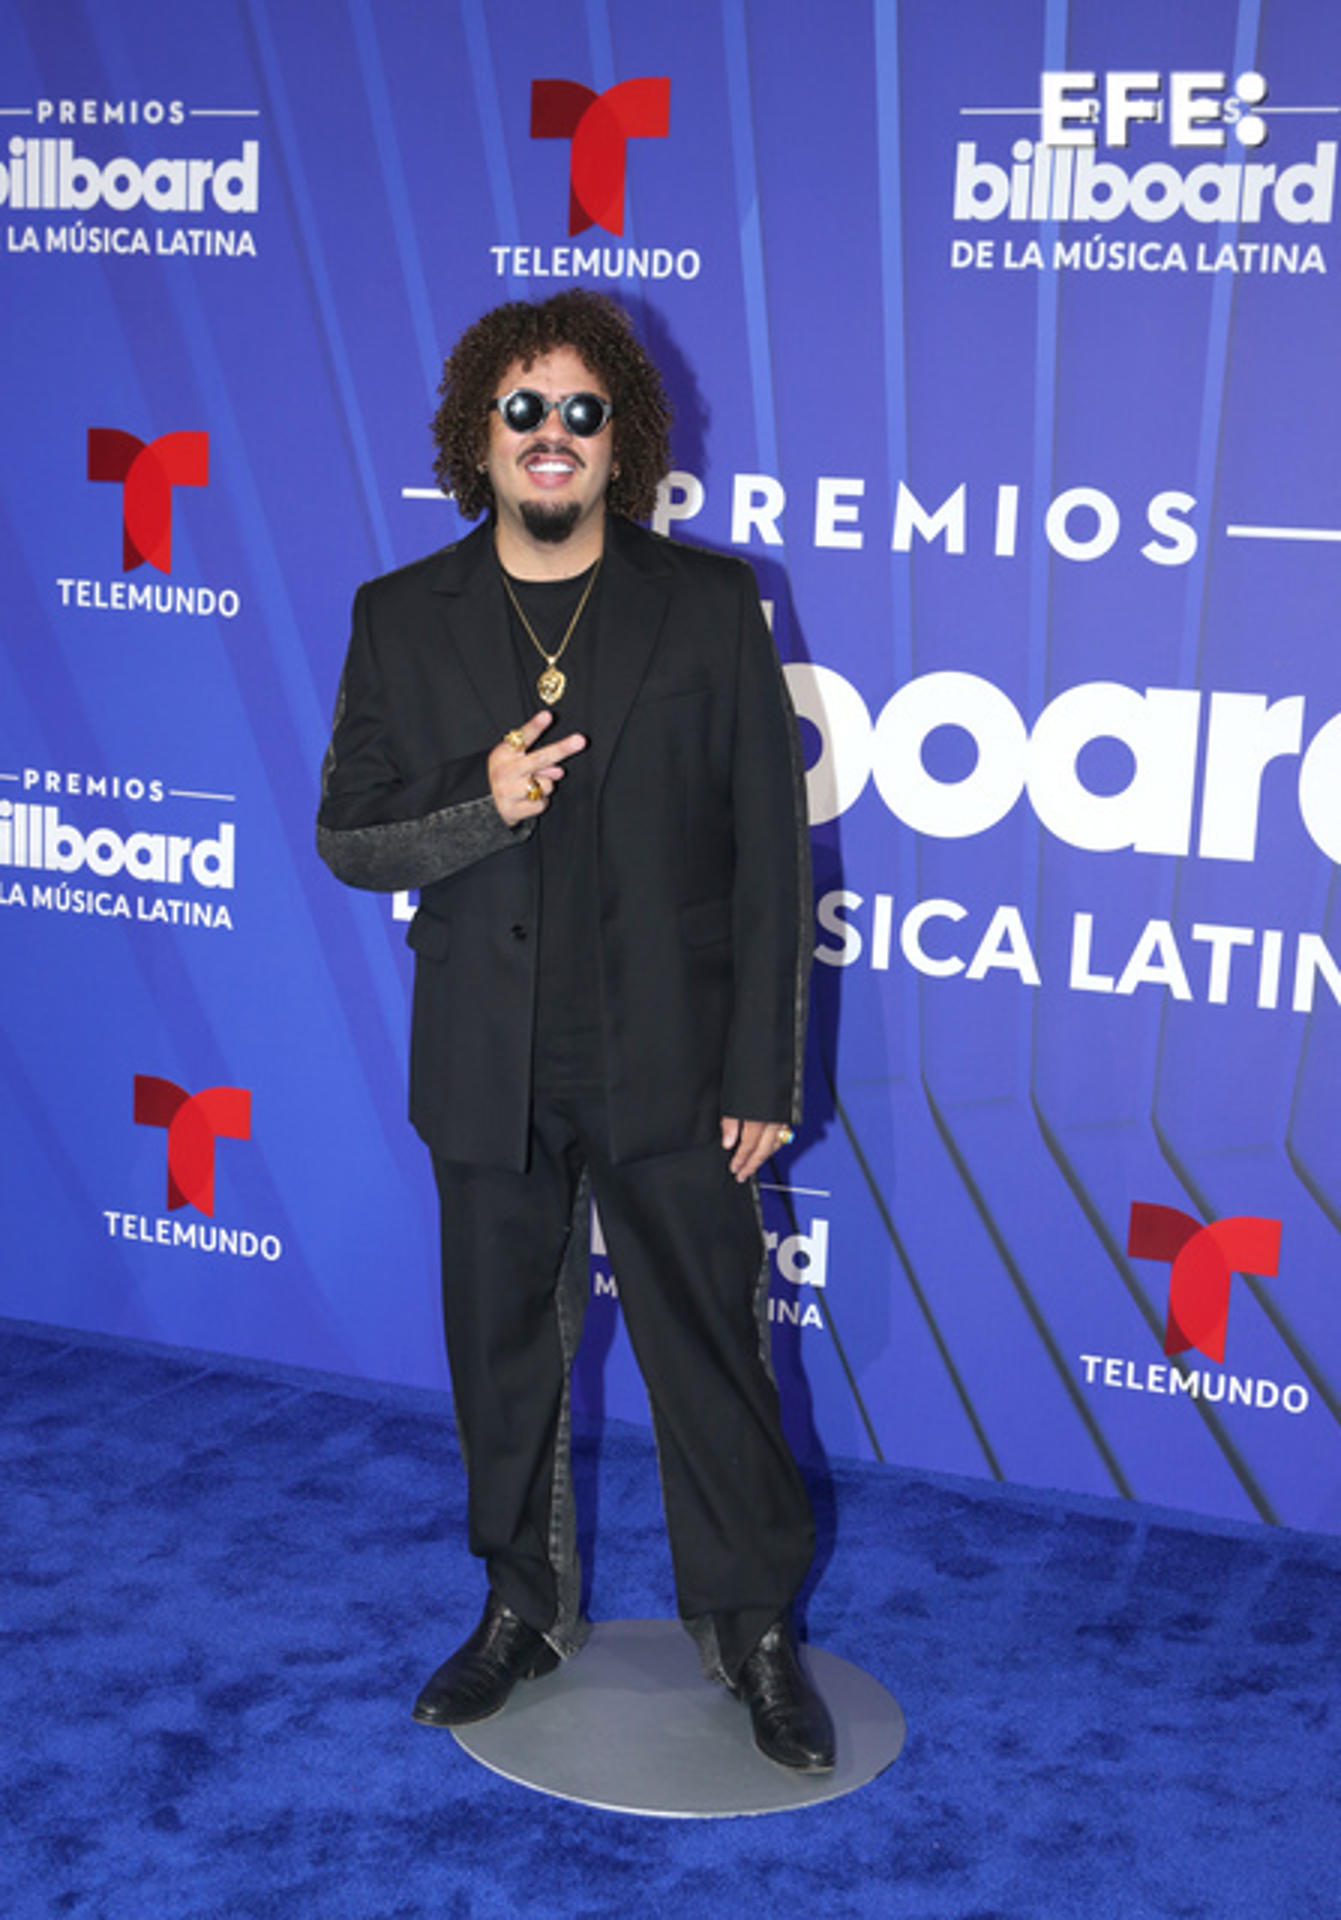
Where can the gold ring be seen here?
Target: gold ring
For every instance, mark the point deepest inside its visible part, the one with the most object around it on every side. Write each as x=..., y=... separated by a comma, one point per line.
x=516, y=739
x=535, y=791
x=785, y=1136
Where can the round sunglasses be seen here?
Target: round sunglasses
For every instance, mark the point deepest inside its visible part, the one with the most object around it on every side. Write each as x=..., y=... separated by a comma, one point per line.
x=582, y=414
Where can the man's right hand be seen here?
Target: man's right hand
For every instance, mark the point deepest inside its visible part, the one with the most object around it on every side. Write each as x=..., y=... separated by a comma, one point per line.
x=522, y=775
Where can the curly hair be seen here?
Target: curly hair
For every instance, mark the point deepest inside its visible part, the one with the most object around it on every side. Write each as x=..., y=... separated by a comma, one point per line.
x=600, y=332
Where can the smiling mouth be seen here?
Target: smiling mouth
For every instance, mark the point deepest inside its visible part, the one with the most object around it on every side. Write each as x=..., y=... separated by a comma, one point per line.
x=545, y=465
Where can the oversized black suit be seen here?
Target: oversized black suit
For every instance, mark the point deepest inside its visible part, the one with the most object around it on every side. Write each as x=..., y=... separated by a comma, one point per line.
x=701, y=859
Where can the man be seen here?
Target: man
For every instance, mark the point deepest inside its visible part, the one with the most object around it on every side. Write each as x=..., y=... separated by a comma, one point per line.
x=574, y=738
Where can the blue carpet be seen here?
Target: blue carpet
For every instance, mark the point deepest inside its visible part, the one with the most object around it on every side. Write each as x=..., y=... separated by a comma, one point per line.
x=223, y=1586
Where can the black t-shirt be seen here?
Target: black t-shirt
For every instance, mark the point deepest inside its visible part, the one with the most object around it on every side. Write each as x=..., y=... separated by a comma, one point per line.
x=568, y=1045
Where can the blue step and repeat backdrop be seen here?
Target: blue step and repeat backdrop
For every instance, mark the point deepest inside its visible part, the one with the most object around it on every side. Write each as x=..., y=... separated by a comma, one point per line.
x=1003, y=338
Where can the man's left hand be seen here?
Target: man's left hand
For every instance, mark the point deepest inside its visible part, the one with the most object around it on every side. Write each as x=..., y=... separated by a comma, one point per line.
x=751, y=1142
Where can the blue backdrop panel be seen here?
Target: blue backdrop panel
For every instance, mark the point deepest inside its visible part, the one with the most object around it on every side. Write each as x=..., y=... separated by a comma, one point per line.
x=1002, y=341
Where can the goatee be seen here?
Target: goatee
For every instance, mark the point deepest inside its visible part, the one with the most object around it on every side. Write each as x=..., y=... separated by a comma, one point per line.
x=551, y=524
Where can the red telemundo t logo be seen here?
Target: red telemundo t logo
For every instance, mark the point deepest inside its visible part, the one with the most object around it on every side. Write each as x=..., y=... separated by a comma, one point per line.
x=194, y=1122
x=1204, y=1260
x=148, y=470
x=600, y=126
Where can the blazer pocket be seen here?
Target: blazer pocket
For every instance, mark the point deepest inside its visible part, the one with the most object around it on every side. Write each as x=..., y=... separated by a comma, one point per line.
x=428, y=935
x=668, y=688
x=706, y=923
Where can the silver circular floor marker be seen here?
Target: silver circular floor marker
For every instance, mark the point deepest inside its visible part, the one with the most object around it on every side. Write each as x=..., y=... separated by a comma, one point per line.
x=632, y=1726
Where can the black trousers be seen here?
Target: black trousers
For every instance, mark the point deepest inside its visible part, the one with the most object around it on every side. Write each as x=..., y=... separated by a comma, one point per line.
x=687, y=1251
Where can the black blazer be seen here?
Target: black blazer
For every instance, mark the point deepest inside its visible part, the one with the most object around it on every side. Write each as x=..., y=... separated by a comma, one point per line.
x=701, y=847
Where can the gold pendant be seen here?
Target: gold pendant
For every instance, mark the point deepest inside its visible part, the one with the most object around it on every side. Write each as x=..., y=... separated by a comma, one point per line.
x=550, y=685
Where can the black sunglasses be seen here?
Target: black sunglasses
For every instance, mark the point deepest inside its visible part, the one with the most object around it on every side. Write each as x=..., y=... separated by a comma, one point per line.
x=583, y=414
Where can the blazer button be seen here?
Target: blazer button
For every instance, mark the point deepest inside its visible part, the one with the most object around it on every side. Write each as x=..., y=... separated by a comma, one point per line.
x=518, y=931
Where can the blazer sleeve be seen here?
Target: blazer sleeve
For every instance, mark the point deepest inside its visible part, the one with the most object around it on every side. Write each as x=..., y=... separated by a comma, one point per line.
x=772, y=931
x=376, y=828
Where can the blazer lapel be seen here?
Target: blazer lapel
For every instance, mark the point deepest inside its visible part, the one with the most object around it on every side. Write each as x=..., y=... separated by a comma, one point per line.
x=476, y=621
x=634, y=598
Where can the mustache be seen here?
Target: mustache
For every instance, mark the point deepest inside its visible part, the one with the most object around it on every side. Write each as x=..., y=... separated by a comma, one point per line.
x=551, y=447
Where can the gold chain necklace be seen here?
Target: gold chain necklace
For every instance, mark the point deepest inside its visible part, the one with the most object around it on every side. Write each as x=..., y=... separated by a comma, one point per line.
x=551, y=683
